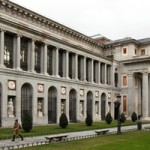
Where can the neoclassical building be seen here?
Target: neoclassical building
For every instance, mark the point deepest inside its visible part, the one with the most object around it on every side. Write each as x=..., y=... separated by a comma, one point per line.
x=47, y=68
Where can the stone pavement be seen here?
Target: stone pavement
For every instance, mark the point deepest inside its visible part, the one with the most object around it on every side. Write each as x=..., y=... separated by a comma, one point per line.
x=39, y=140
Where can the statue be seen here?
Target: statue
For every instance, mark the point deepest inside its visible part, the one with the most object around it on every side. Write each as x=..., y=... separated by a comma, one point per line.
x=81, y=108
x=40, y=113
x=10, y=108
x=96, y=108
x=62, y=108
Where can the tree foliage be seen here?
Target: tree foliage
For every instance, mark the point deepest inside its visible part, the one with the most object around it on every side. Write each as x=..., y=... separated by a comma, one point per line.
x=26, y=122
x=88, y=120
x=63, y=121
x=134, y=117
x=108, y=118
x=122, y=118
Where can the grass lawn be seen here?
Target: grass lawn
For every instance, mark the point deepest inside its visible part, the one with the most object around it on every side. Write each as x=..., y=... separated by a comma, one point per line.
x=135, y=140
x=6, y=133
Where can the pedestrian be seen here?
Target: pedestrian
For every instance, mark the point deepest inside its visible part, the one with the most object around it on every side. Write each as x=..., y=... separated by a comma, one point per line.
x=16, y=129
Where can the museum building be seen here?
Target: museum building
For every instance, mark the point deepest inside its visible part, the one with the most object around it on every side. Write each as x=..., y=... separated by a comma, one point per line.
x=47, y=68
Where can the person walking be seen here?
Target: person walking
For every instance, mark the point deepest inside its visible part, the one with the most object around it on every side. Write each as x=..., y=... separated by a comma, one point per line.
x=16, y=129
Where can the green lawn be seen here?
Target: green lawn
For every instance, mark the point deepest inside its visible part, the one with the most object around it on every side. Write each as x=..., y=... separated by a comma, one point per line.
x=6, y=133
x=134, y=140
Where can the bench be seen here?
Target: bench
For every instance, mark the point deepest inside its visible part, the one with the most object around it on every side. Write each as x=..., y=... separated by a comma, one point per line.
x=147, y=128
x=56, y=138
x=102, y=132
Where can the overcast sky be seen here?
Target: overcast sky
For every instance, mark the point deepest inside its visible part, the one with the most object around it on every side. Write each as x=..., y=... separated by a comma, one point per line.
x=114, y=19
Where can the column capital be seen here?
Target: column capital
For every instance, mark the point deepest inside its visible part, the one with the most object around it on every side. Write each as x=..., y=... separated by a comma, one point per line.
x=145, y=73
x=2, y=30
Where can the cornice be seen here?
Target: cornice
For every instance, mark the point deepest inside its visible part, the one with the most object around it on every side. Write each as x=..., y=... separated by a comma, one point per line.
x=29, y=16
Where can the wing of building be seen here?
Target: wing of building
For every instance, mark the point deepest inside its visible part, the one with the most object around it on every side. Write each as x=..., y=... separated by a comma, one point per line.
x=47, y=68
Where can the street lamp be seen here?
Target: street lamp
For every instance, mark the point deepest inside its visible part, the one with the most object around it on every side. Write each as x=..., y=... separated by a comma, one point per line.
x=117, y=103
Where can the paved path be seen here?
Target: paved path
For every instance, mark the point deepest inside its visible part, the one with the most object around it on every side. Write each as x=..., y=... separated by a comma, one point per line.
x=39, y=140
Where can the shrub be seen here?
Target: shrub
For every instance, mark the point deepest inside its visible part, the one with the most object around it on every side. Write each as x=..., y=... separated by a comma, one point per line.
x=26, y=122
x=122, y=118
x=108, y=118
x=88, y=120
x=63, y=121
x=134, y=116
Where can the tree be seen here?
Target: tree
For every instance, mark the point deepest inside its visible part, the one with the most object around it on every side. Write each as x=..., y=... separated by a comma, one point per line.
x=63, y=121
x=122, y=118
x=26, y=122
x=88, y=120
x=134, y=116
x=108, y=118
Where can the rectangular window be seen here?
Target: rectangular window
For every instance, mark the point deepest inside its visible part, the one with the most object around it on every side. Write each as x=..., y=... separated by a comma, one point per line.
x=124, y=51
x=124, y=80
x=142, y=51
x=135, y=51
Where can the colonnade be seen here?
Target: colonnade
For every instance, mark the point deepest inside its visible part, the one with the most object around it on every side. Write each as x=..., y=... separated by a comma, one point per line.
x=54, y=61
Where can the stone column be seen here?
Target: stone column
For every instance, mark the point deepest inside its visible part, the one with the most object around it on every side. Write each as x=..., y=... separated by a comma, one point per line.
x=66, y=64
x=145, y=104
x=105, y=76
x=84, y=68
x=57, y=62
x=131, y=105
x=2, y=48
x=76, y=66
x=18, y=52
x=32, y=55
x=45, y=60
x=99, y=73
x=92, y=70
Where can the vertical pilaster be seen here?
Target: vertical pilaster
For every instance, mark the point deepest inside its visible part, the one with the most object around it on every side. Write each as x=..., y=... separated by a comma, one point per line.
x=2, y=48
x=145, y=94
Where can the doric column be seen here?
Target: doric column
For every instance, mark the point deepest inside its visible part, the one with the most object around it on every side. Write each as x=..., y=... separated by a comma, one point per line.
x=131, y=105
x=18, y=52
x=32, y=55
x=92, y=70
x=145, y=103
x=2, y=48
x=105, y=75
x=67, y=63
x=76, y=66
x=84, y=73
x=98, y=73
x=57, y=62
x=45, y=60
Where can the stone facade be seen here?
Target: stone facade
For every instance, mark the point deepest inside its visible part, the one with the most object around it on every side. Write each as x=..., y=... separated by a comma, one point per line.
x=47, y=69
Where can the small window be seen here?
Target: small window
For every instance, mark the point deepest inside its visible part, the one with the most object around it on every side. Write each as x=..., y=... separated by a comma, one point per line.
x=142, y=51
x=124, y=51
x=124, y=80
x=135, y=51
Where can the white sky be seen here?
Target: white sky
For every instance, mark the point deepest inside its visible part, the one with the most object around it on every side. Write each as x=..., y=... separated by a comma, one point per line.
x=114, y=19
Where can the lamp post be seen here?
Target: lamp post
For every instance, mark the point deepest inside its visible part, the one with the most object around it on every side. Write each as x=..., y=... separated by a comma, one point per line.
x=118, y=102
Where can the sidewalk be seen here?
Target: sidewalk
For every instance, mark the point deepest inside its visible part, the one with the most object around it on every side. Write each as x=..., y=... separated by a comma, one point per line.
x=40, y=140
